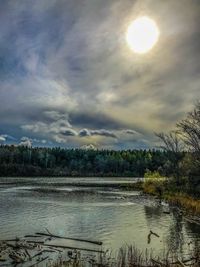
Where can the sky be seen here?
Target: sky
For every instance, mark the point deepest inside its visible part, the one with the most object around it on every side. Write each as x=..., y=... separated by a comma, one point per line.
x=68, y=77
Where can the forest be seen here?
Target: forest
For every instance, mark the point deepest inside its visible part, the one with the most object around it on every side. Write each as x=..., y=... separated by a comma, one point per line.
x=30, y=161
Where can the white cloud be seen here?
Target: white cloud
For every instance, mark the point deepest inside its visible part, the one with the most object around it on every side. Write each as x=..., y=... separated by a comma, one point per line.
x=25, y=141
x=2, y=139
x=88, y=147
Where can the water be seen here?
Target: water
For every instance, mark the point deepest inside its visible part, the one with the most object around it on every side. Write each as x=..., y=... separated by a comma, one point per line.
x=91, y=208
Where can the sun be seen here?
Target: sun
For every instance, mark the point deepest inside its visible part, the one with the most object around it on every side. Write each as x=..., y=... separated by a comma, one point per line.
x=142, y=34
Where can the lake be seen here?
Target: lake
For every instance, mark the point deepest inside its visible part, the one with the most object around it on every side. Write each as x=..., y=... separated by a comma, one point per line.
x=91, y=208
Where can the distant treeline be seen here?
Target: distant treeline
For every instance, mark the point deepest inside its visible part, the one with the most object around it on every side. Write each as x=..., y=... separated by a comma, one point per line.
x=26, y=161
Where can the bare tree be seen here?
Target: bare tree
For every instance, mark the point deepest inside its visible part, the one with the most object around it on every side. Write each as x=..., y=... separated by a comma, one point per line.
x=186, y=136
x=190, y=130
x=171, y=141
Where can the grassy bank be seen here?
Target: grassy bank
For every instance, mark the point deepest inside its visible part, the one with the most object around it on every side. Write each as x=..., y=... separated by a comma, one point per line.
x=166, y=189
x=185, y=201
x=130, y=256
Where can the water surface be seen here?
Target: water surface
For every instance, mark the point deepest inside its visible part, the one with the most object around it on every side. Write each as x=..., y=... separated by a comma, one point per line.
x=91, y=208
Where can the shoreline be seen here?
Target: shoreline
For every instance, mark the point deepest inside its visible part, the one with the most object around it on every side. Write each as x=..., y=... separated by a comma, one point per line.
x=187, y=203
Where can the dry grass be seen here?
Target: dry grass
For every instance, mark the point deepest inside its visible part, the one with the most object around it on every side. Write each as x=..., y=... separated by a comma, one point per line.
x=130, y=256
x=167, y=190
x=186, y=202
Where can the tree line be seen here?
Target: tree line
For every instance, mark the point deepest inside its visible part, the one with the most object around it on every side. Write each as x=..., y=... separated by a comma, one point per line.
x=37, y=161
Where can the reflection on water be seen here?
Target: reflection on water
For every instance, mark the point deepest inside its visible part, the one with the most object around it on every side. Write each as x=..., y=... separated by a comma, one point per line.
x=91, y=208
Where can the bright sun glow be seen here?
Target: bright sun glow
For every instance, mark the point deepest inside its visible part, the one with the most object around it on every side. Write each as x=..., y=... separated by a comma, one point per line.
x=142, y=35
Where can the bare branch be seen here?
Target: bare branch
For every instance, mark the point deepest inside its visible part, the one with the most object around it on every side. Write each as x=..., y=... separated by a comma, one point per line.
x=171, y=141
x=190, y=129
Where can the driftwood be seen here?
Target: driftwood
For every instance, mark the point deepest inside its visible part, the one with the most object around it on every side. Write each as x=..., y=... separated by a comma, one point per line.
x=32, y=252
x=76, y=248
x=34, y=249
x=32, y=236
x=35, y=242
x=70, y=238
x=149, y=236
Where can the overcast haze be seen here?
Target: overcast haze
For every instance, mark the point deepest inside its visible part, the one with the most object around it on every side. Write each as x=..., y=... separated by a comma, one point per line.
x=68, y=77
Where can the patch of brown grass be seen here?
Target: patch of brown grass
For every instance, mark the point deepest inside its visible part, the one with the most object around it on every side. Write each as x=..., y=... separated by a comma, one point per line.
x=186, y=202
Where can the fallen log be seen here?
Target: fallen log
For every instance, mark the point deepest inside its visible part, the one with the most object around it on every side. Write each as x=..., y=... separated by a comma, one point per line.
x=32, y=236
x=69, y=247
x=35, y=242
x=70, y=238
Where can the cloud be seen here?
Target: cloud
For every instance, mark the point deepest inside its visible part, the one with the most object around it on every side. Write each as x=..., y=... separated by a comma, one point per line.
x=68, y=132
x=25, y=141
x=2, y=139
x=88, y=147
x=84, y=132
x=66, y=69
x=103, y=132
x=42, y=141
x=92, y=119
x=56, y=131
x=59, y=126
x=133, y=132
x=54, y=115
x=6, y=137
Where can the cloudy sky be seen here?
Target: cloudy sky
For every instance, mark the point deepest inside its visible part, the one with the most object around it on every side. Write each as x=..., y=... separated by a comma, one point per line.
x=68, y=77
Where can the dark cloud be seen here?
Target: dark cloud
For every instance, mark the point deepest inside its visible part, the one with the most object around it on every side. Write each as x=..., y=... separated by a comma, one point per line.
x=94, y=120
x=100, y=132
x=128, y=131
x=66, y=71
x=103, y=132
x=68, y=132
x=84, y=132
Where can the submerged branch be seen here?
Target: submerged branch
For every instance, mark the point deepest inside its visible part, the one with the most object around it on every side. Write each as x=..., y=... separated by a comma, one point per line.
x=70, y=238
